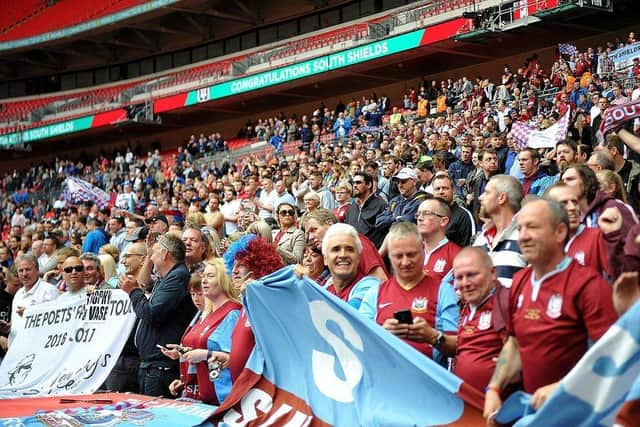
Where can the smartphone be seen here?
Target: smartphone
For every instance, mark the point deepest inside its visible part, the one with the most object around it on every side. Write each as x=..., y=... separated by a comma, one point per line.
x=161, y=347
x=403, y=316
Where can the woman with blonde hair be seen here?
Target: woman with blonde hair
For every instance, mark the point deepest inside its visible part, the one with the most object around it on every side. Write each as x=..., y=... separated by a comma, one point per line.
x=208, y=339
x=611, y=183
x=108, y=266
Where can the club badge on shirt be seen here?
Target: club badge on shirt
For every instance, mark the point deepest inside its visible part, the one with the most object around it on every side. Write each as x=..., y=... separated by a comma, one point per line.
x=419, y=305
x=554, y=306
x=439, y=266
x=484, y=322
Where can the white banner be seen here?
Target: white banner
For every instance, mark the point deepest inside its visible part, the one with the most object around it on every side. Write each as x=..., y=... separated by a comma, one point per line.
x=623, y=58
x=67, y=347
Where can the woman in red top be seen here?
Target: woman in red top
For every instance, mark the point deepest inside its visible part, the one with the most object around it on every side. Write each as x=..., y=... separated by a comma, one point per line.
x=249, y=258
x=208, y=337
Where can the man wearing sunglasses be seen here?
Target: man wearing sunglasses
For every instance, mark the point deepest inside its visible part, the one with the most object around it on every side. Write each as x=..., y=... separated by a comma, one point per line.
x=73, y=275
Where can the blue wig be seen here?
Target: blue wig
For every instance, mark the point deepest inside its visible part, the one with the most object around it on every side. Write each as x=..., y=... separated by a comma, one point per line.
x=234, y=249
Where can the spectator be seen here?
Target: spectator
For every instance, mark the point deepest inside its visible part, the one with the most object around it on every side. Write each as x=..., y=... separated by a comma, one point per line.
x=341, y=248
x=289, y=240
x=585, y=245
x=96, y=237
x=93, y=272
x=370, y=263
x=461, y=226
x=480, y=330
x=402, y=208
x=572, y=309
x=34, y=291
x=433, y=218
x=535, y=180
x=162, y=318
x=488, y=160
x=208, y=338
x=432, y=306
x=500, y=203
x=124, y=375
x=73, y=274
x=366, y=207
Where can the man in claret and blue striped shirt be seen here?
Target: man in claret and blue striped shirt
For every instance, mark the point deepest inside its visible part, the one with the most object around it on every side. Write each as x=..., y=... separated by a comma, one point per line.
x=500, y=202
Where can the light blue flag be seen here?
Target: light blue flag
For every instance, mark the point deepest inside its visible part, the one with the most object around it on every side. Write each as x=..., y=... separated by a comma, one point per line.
x=592, y=393
x=317, y=361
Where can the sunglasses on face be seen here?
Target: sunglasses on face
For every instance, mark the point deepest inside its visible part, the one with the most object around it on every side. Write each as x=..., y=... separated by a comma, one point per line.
x=77, y=268
x=286, y=212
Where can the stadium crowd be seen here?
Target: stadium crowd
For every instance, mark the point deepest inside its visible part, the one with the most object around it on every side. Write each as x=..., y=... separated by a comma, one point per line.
x=441, y=226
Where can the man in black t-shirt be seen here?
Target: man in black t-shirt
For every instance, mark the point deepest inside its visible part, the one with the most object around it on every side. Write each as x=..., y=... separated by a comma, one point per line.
x=9, y=285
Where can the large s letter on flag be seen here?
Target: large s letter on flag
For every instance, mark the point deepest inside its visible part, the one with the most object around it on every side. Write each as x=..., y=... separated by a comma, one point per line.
x=318, y=362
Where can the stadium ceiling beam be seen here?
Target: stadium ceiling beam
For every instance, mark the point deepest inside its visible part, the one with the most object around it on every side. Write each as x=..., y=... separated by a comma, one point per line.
x=145, y=39
x=248, y=12
x=214, y=13
x=161, y=29
x=460, y=53
x=124, y=43
x=298, y=95
x=199, y=27
x=318, y=3
x=371, y=76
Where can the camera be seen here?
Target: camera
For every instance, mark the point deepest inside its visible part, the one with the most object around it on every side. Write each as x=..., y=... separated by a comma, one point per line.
x=214, y=370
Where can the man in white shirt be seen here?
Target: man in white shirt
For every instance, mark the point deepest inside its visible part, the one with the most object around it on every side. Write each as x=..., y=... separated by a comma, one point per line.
x=230, y=210
x=34, y=291
x=73, y=274
x=268, y=196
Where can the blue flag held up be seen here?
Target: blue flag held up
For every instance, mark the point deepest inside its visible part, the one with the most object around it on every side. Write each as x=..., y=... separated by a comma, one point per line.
x=318, y=362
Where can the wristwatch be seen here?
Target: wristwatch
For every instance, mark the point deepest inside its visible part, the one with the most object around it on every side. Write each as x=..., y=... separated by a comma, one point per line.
x=439, y=340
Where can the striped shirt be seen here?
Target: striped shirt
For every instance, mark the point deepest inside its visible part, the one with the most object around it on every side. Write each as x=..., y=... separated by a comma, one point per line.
x=504, y=251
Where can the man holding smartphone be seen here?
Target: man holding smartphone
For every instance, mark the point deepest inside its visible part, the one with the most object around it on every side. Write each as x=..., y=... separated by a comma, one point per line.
x=414, y=305
x=162, y=317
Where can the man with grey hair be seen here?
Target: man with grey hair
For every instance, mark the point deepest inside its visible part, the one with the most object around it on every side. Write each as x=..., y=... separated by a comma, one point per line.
x=413, y=305
x=341, y=248
x=164, y=316
x=93, y=272
x=34, y=291
x=557, y=309
x=500, y=202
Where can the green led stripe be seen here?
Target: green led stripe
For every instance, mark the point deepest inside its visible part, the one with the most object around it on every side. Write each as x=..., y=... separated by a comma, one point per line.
x=308, y=68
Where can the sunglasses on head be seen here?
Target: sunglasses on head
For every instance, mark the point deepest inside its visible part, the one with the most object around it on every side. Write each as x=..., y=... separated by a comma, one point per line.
x=287, y=212
x=77, y=268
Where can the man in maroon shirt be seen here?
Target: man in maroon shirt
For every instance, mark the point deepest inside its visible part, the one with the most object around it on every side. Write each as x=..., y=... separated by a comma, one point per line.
x=556, y=308
x=585, y=245
x=433, y=218
x=481, y=331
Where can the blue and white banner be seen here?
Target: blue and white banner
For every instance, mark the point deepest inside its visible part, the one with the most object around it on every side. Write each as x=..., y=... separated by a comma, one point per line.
x=67, y=346
x=318, y=362
x=623, y=57
x=595, y=389
x=77, y=191
x=130, y=411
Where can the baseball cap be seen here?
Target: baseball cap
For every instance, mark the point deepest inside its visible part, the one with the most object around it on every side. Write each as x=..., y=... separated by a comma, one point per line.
x=406, y=173
x=162, y=218
x=138, y=233
x=426, y=164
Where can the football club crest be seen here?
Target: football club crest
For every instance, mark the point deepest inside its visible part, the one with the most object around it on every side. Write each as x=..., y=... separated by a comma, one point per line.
x=419, y=305
x=554, y=306
x=579, y=256
x=203, y=94
x=439, y=266
x=484, y=322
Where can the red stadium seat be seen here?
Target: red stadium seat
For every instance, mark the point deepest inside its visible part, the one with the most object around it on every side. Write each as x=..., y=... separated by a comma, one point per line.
x=62, y=14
